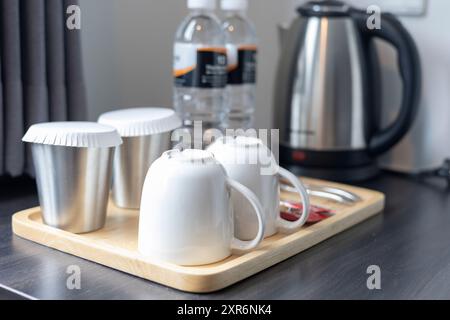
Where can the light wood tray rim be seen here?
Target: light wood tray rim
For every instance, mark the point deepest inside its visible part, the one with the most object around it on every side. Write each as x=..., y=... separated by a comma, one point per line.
x=201, y=279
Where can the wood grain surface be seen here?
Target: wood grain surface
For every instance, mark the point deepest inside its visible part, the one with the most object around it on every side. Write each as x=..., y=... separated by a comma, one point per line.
x=115, y=245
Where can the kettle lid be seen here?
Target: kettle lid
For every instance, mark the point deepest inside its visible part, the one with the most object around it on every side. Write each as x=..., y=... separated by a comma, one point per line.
x=327, y=8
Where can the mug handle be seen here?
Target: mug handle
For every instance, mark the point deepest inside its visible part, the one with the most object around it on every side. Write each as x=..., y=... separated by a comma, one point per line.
x=290, y=225
x=240, y=245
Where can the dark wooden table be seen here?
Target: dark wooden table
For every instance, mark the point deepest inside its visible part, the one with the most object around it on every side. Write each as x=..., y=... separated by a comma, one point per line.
x=410, y=242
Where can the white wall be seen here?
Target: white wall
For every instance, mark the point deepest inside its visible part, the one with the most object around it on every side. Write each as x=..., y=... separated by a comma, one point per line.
x=128, y=52
x=128, y=62
x=428, y=143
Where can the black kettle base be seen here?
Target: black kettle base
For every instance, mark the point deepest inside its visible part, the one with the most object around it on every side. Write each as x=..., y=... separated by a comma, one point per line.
x=340, y=165
x=345, y=175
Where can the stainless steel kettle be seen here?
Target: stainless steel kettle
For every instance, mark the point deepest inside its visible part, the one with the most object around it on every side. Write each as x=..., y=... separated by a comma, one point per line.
x=328, y=93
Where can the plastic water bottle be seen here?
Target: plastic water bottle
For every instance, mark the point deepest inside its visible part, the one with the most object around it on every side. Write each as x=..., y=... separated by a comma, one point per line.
x=242, y=51
x=200, y=67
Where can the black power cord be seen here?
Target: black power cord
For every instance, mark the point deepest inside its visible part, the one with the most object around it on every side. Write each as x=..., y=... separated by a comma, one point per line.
x=443, y=172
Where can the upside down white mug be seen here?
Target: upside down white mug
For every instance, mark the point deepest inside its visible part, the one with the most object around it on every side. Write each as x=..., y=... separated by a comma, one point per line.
x=250, y=162
x=186, y=213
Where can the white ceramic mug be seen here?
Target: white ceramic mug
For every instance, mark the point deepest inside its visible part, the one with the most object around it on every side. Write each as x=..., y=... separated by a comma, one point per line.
x=248, y=161
x=186, y=215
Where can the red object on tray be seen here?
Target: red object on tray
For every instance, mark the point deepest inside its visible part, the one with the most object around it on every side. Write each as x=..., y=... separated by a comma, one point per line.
x=291, y=212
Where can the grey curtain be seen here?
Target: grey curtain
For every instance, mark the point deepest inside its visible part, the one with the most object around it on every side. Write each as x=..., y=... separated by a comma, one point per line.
x=41, y=74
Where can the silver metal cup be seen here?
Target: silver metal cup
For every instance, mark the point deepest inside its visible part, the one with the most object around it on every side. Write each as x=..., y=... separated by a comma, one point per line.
x=131, y=163
x=73, y=185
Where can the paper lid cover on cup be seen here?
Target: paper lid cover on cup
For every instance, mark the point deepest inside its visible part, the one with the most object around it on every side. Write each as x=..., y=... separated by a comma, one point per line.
x=73, y=134
x=141, y=121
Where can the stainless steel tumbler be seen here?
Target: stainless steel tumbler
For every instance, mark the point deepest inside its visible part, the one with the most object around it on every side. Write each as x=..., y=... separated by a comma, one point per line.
x=73, y=186
x=131, y=163
x=146, y=134
x=73, y=165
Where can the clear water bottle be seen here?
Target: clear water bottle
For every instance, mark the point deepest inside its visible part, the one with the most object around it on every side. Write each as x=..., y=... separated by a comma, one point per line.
x=242, y=51
x=200, y=67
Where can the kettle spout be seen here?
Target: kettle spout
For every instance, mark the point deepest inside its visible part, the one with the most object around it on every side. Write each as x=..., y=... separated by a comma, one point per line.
x=282, y=33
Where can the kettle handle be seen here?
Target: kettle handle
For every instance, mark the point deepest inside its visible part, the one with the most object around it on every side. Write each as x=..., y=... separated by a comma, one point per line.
x=395, y=33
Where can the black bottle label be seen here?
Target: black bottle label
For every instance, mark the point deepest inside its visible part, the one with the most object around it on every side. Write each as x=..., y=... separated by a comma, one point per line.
x=200, y=67
x=242, y=64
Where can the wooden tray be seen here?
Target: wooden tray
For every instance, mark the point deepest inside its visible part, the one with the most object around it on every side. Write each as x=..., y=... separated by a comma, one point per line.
x=115, y=246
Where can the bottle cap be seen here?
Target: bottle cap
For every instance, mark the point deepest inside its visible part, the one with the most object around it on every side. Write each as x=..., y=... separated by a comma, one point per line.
x=240, y=5
x=202, y=4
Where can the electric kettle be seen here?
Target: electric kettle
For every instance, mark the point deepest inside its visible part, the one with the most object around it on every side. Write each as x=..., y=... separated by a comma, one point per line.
x=328, y=92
